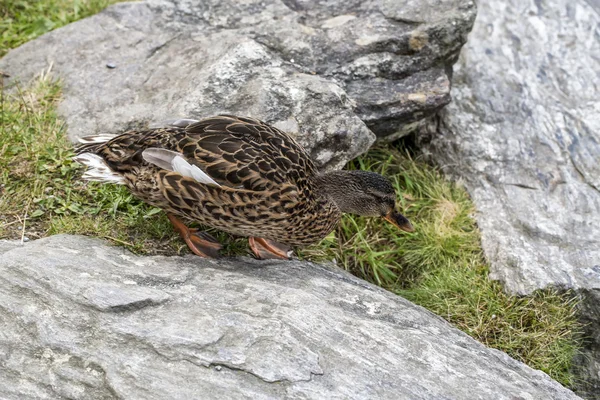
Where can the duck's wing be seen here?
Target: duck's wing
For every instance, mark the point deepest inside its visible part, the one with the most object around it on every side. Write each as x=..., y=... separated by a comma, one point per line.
x=245, y=153
x=233, y=152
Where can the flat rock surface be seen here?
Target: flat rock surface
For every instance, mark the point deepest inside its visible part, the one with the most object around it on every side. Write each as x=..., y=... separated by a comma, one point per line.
x=325, y=71
x=523, y=132
x=84, y=320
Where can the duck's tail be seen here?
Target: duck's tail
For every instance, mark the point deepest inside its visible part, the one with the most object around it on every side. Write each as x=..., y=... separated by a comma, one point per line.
x=98, y=170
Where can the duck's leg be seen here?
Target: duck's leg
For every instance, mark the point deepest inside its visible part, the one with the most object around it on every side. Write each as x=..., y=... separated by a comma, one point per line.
x=268, y=249
x=200, y=243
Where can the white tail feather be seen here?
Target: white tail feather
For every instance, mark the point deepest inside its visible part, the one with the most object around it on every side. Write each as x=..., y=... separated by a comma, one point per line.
x=98, y=171
x=100, y=138
x=173, y=161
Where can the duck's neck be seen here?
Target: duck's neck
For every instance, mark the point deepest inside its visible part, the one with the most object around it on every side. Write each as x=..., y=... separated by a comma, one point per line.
x=340, y=187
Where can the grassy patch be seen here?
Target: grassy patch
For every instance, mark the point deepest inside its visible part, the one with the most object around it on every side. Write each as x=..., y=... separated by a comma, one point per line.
x=378, y=252
x=440, y=266
x=24, y=20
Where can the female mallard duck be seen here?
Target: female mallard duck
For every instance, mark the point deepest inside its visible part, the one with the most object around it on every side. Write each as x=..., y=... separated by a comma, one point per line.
x=238, y=175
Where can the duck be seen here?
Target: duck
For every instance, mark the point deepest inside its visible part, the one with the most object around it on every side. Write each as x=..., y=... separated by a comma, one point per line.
x=239, y=175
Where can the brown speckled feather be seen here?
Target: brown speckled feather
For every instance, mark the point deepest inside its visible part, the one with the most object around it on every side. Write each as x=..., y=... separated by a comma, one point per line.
x=266, y=179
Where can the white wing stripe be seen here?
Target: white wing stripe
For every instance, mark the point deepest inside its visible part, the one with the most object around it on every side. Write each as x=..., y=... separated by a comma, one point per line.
x=186, y=169
x=173, y=161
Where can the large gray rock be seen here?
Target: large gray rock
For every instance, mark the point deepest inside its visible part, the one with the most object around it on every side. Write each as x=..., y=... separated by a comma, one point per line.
x=315, y=68
x=523, y=133
x=83, y=320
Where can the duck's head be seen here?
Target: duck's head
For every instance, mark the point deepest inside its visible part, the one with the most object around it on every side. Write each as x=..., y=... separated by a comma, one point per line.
x=364, y=193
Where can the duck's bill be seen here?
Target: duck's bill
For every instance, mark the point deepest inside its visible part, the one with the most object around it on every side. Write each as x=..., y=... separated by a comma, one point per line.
x=400, y=221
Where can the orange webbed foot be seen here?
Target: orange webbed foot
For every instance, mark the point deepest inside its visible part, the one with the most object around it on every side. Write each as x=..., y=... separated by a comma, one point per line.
x=268, y=249
x=200, y=243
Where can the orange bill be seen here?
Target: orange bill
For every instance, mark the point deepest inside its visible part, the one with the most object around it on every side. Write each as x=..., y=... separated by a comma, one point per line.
x=400, y=221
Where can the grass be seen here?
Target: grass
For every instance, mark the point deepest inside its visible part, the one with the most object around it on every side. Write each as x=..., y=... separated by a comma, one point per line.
x=440, y=266
x=24, y=20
